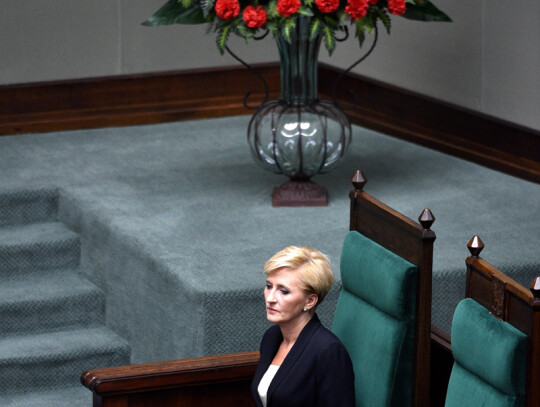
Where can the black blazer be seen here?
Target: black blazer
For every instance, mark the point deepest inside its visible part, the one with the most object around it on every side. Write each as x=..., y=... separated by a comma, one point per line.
x=317, y=371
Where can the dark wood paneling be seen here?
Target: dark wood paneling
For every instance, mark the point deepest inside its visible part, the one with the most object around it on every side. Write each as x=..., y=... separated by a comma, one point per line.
x=130, y=100
x=442, y=126
x=233, y=394
x=205, y=93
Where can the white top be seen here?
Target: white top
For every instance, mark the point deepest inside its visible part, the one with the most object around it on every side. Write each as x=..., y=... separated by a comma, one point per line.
x=265, y=382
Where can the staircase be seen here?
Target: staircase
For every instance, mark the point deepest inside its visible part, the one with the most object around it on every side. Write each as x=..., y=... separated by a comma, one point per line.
x=51, y=318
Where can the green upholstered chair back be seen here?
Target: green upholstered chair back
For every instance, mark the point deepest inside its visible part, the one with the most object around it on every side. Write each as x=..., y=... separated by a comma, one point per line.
x=375, y=319
x=495, y=339
x=490, y=360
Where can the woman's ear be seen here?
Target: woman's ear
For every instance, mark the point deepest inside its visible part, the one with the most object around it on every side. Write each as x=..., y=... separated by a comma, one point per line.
x=311, y=301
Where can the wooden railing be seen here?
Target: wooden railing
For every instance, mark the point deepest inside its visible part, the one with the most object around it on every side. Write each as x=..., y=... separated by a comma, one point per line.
x=222, y=380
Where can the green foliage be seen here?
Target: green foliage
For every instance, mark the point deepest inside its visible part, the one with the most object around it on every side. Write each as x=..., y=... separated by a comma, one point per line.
x=341, y=17
x=273, y=26
x=323, y=24
x=272, y=11
x=385, y=19
x=207, y=6
x=306, y=12
x=222, y=37
x=360, y=32
x=174, y=12
x=287, y=25
x=244, y=31
x=425, y=11
x=315, y=28
x=329, y=38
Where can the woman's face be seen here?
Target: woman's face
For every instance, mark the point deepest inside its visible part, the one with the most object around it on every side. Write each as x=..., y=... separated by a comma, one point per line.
x=285, y=300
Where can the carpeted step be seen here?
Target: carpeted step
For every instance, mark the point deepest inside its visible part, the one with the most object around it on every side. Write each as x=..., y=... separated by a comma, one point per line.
x=26, y=249
x=28, y=206
x=73, y=396
x=56, y=360
x=49, y=302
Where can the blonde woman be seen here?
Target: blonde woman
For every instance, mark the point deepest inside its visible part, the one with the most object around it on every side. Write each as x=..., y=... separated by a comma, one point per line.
x=302, y=363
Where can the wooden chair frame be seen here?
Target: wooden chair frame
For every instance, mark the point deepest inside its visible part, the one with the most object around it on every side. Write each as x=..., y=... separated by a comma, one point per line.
x=413, y=242
x=224, y=380
x=508, y=301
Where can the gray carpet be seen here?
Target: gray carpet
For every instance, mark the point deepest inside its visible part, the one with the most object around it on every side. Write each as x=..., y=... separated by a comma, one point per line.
x=176, y=222
x=52, y=319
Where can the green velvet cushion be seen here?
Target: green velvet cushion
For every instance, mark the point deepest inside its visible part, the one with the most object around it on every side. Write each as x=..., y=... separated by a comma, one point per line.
x=378, y=276
x=375, y=319
x=373, y=340
x=490, y=349
x=468, y=390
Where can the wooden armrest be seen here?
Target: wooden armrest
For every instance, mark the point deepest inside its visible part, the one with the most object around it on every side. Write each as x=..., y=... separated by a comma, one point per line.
x=200, y=380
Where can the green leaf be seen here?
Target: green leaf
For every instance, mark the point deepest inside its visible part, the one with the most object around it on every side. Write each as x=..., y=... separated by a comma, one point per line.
x=315, y=28
x=222, y=37
x=273, y=26
x=244, y=31
x=207, y=6
x=329, y=39
x=288, y=25
x=367, y=22
x=424, y=10
x=342, y=16
x=360, y=34
x=385, y=19
x=272, y=10
x=305, y=11
x=174, y=12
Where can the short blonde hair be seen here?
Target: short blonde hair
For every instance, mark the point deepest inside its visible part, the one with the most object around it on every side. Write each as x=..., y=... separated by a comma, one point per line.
x=313, y=268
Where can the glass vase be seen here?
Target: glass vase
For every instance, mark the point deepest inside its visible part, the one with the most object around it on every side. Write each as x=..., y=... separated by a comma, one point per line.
x=299, y=135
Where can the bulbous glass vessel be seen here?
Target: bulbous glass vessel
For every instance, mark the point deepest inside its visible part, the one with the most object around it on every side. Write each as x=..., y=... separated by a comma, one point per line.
x=299, y=135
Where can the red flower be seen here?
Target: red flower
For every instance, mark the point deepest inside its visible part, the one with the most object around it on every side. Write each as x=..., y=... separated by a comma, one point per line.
x=255, y=17
x=227, y=9
x=396, y=7
x=288, y=7
x=373, y=1
x=327, y=6
x=356, y=9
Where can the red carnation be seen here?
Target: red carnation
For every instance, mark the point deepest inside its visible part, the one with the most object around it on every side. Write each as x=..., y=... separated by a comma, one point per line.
x=288, y=7
x=356, y=9
x=227, y=9
x=255, y=17
x=327, y=6
x=396, y=7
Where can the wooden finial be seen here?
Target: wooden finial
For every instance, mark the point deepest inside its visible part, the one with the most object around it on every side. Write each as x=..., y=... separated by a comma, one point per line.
x=475, y=246
x=535, y=287
x=426, y=219
x=358, y=180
